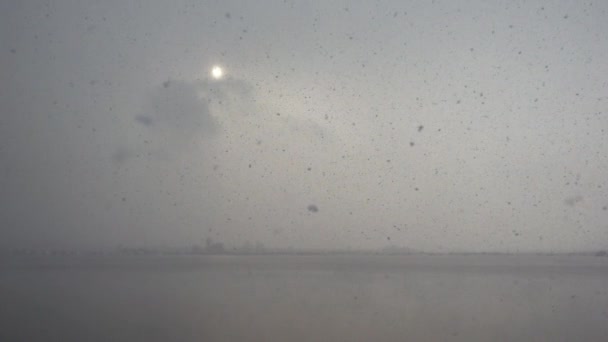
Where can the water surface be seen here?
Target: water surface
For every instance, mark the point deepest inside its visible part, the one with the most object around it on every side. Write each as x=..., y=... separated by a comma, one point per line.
x=304, y=298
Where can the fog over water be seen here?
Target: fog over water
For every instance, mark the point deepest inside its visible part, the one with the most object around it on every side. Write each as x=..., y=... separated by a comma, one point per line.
x=303, y=170
x=304, y=298
x=433, y=125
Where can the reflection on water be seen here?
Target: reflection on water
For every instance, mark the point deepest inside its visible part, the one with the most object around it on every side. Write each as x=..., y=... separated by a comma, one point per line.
x=305, y=298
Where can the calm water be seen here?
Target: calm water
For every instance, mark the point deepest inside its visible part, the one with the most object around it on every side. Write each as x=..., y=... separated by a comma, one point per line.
x=304, y=298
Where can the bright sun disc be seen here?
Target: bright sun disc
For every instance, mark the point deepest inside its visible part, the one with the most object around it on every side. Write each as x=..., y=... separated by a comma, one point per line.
x=217, y=72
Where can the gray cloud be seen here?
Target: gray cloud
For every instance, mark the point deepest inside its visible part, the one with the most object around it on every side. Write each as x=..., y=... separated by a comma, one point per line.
x=175, y=114
x=180, y=109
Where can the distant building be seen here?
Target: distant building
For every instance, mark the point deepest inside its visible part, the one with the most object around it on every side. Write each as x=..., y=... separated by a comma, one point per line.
x=212, y=247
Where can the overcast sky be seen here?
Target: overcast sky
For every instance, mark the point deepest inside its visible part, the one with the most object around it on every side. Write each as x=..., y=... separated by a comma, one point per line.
x=435, y=125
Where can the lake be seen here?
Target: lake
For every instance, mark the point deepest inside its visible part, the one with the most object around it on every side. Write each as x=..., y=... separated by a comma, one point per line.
x=304, y=298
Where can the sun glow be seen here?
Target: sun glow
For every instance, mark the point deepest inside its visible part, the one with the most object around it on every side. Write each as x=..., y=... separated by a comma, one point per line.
x=217, y=72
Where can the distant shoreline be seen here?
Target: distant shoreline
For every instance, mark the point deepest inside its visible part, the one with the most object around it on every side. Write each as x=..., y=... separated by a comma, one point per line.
x=152, y=252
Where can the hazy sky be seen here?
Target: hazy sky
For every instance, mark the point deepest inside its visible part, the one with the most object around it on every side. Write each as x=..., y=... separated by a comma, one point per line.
x=436, y=125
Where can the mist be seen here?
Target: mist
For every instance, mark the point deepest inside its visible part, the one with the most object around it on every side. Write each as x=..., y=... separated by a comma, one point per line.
x=303, y=170
x=437, y=126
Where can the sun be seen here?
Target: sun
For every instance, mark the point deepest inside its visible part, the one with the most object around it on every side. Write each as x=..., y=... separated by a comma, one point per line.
x=217, y=72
